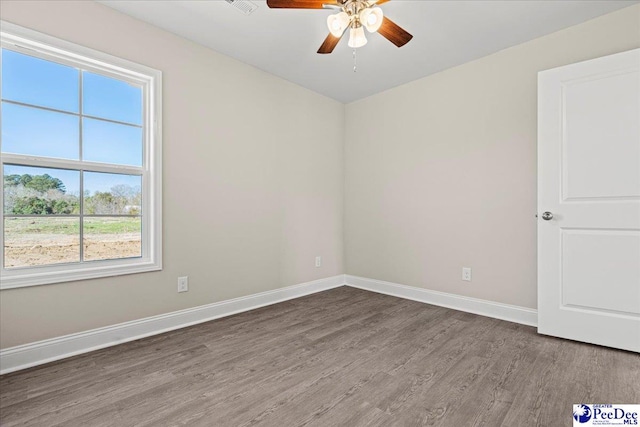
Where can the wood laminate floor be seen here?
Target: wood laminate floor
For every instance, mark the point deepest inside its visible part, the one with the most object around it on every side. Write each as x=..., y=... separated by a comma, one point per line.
x=344, y=357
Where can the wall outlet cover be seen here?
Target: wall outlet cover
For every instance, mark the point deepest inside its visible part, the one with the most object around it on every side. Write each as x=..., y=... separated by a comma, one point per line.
x=183, y=284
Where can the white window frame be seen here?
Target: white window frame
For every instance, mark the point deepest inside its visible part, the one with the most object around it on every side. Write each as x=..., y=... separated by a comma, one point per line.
x=24, y=40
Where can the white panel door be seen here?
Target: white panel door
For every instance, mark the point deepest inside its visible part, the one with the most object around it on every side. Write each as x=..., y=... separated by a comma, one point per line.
x=589, y=201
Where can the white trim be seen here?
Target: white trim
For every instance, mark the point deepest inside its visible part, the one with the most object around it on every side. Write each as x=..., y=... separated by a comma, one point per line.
x=41, y=45
x=511, y=313
x=40, y=352
x=45, y=46
x=90, y=270
x=50, y=162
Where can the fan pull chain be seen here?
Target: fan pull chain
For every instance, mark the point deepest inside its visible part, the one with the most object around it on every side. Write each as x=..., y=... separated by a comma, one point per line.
x=355, y=62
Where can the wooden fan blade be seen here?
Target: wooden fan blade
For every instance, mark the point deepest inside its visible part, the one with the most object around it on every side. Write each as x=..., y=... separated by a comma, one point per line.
x=329, y=44
x=394, y=33
x=298, y=4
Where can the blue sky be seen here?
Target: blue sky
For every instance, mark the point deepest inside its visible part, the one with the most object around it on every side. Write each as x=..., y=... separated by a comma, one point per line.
x=39, y=132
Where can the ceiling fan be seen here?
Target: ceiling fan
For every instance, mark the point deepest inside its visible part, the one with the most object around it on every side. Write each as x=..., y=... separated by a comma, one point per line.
x=354, y=15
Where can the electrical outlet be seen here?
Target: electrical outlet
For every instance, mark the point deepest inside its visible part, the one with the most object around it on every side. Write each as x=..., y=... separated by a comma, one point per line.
x=466, y=274
x=183, y=284
x=318, y=261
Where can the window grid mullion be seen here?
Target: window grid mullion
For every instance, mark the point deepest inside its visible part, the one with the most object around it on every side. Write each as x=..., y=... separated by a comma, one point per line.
x=76, y=165
x=80, y=156
x=71, y=113
x=72, y=216
x=39, y=107
x=81, y=216
x=42, y=215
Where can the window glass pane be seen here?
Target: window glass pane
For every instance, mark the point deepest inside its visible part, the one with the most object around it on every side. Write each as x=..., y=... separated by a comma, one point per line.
x=111, y=99
x=112, y=238
x=37, y=132
x=40, y=191
x=36, y=81
x=41, y=241
x=111, y=142
x=112, y=194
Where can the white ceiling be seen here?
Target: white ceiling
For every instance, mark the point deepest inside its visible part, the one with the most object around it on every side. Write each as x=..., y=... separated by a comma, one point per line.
x=284, y=41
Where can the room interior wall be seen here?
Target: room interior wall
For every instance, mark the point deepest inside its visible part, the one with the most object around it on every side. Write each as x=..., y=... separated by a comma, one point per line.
x=255, y=184
x=253, y=181
x=445, y=177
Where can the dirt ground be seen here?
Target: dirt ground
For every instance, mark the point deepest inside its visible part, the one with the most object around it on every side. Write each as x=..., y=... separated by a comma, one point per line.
x=30, y=250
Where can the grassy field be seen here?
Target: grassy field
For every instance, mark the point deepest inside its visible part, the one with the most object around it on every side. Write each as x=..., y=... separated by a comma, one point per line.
x=70, y=226
x=44, y=241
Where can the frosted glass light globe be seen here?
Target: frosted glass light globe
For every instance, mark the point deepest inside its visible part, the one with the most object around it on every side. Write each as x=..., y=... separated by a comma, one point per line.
x=356, y=37
x=371, y=18
x=338, y=23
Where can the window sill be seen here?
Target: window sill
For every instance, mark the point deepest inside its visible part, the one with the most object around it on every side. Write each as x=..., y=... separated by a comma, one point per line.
x=20, y=279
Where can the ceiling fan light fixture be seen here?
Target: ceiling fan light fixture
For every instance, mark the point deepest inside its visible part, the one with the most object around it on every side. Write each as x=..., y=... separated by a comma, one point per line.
x=352, y=15
x=338, y=23
x=356, y=37
x=371, y=18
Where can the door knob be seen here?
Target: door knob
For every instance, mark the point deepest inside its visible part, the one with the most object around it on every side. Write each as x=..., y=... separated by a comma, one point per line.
x=547, y=216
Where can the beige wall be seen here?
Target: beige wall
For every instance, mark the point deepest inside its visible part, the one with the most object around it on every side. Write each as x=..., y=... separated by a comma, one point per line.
x=441, y=172
x=253, y=181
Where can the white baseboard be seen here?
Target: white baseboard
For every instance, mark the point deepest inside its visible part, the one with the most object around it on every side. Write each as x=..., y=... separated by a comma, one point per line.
x=512, y=313
x=40, y=352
